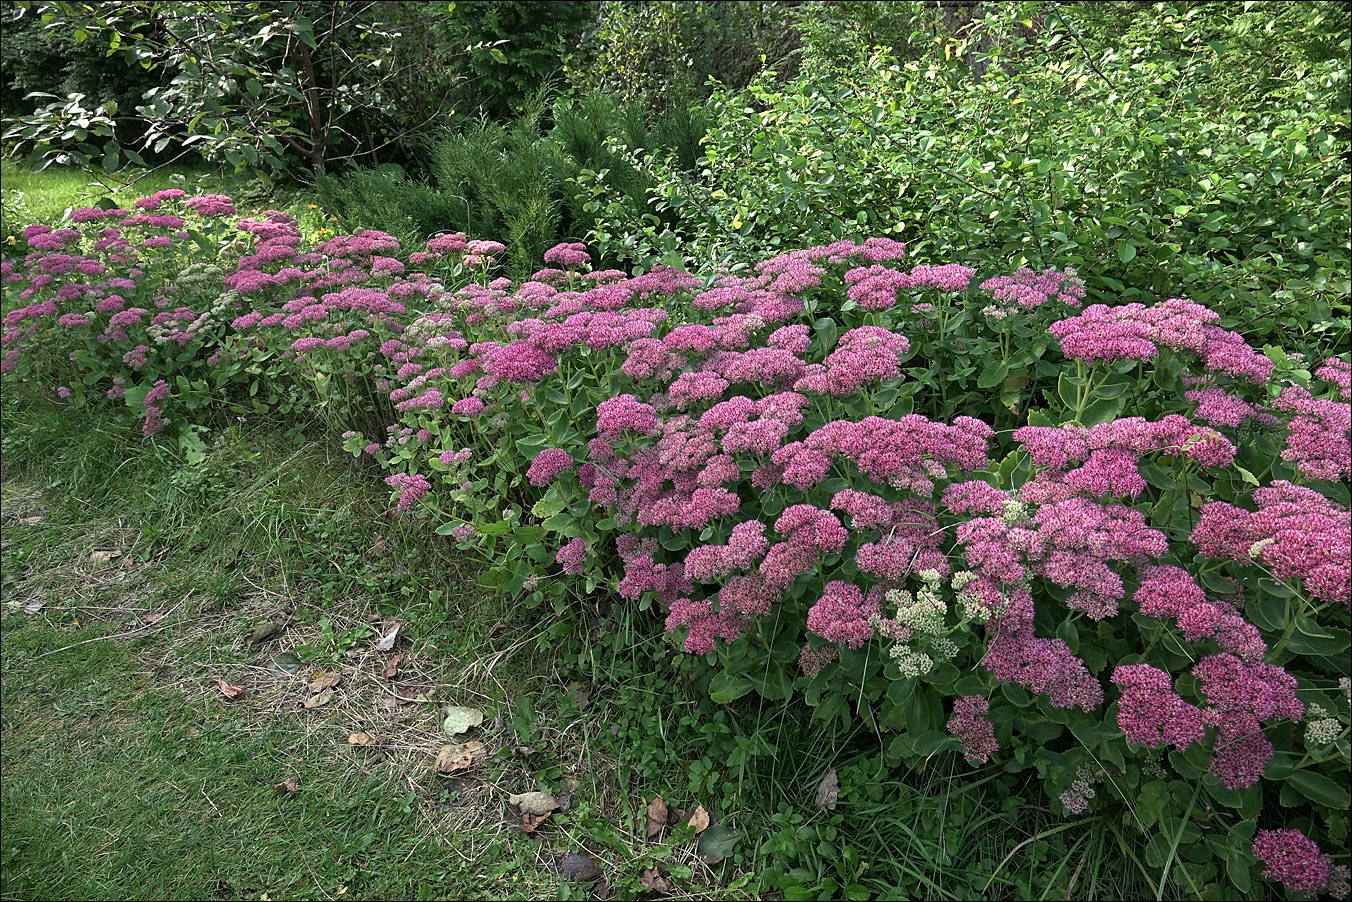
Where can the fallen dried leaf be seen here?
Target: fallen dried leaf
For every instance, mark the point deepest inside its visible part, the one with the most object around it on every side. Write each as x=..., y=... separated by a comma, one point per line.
x=34, y=606
x=153, y=618
x=699, y=819
x=657, y=817
x=323, y=698
x=287, y=786
x=602, y=890
x=392, y=666
x=538, y=803
x=531, y=822
x=227, y=690
x=387, y=641
x=362, y=738
x=101, y=558
x=828, y=791
x=265, y=631
x=321, y=681
x=453, y=758
x=581, y=696
x=579, y=867
x=31, y=521
x=656, y=881
x=458, y=719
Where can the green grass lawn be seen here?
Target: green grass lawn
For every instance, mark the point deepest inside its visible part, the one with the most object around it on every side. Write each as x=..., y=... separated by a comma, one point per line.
x=43, y=197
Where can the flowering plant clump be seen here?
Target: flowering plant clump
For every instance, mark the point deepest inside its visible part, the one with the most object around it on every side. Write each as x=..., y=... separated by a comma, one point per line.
x=1106, y=543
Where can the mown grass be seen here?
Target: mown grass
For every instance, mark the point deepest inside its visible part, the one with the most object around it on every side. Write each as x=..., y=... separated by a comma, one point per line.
x=129, y=775
x=44, y=197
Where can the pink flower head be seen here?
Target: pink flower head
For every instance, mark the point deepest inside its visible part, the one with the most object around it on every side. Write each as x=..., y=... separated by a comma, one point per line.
x=1150, y=713
x=625, y=413
x=548, y=464
x=1292, y=858
x=572, y=556
x=842, y=614
x=568, y=254
x=973, y=728
x=411, y=488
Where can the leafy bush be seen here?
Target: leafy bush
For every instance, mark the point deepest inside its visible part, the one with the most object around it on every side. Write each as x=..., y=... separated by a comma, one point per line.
x=534, y=189
x=660, y=55
x=45, y=60
x=1111, y=536
x=1116, y=160
x=296, y=87
x=528, y=44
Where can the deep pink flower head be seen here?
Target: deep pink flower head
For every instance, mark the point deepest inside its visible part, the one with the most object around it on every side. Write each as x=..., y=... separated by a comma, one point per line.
x=1292, y=858
x=1150, y=713
x=625, y=413
x=568, y=254
x=547, y=464
x=842, y=614
x=572, y=556
x=411, y=488
x=973, y=728
x=1297, y=533
x=1319, y=437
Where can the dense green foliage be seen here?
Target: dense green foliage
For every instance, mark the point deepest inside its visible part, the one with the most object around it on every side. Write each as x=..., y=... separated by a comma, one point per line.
x=1144, y=162
x=531, y=189
x=289, y=87
x=662, y=55
x=933, y=506
x=528, y=44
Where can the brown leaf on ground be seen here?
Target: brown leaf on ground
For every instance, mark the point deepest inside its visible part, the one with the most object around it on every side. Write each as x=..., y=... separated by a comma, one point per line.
x=34, y=606
x=656, y=881
x=581, y=696
x=102, y=558
x=603, y=890
x=320, y=681
x=287, y=786
x=699, y=819
x=828, y=791
x=31, y=521
x=454, y=758
x=323, y=698
x=149, y=619
x=657, y=817
x=392, y=666
x=407, y=692
x=362, y=738
x=579, y=867
x=537, y=803
x=266, y=630
x=227, y=690
x=531, y=822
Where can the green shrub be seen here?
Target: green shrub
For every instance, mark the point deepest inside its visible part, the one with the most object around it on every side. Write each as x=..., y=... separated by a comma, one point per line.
x=1118, y=160
x=958, y=510
x=528, y=44
x=407, y=209
x=530, y=187
x=661, y=54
